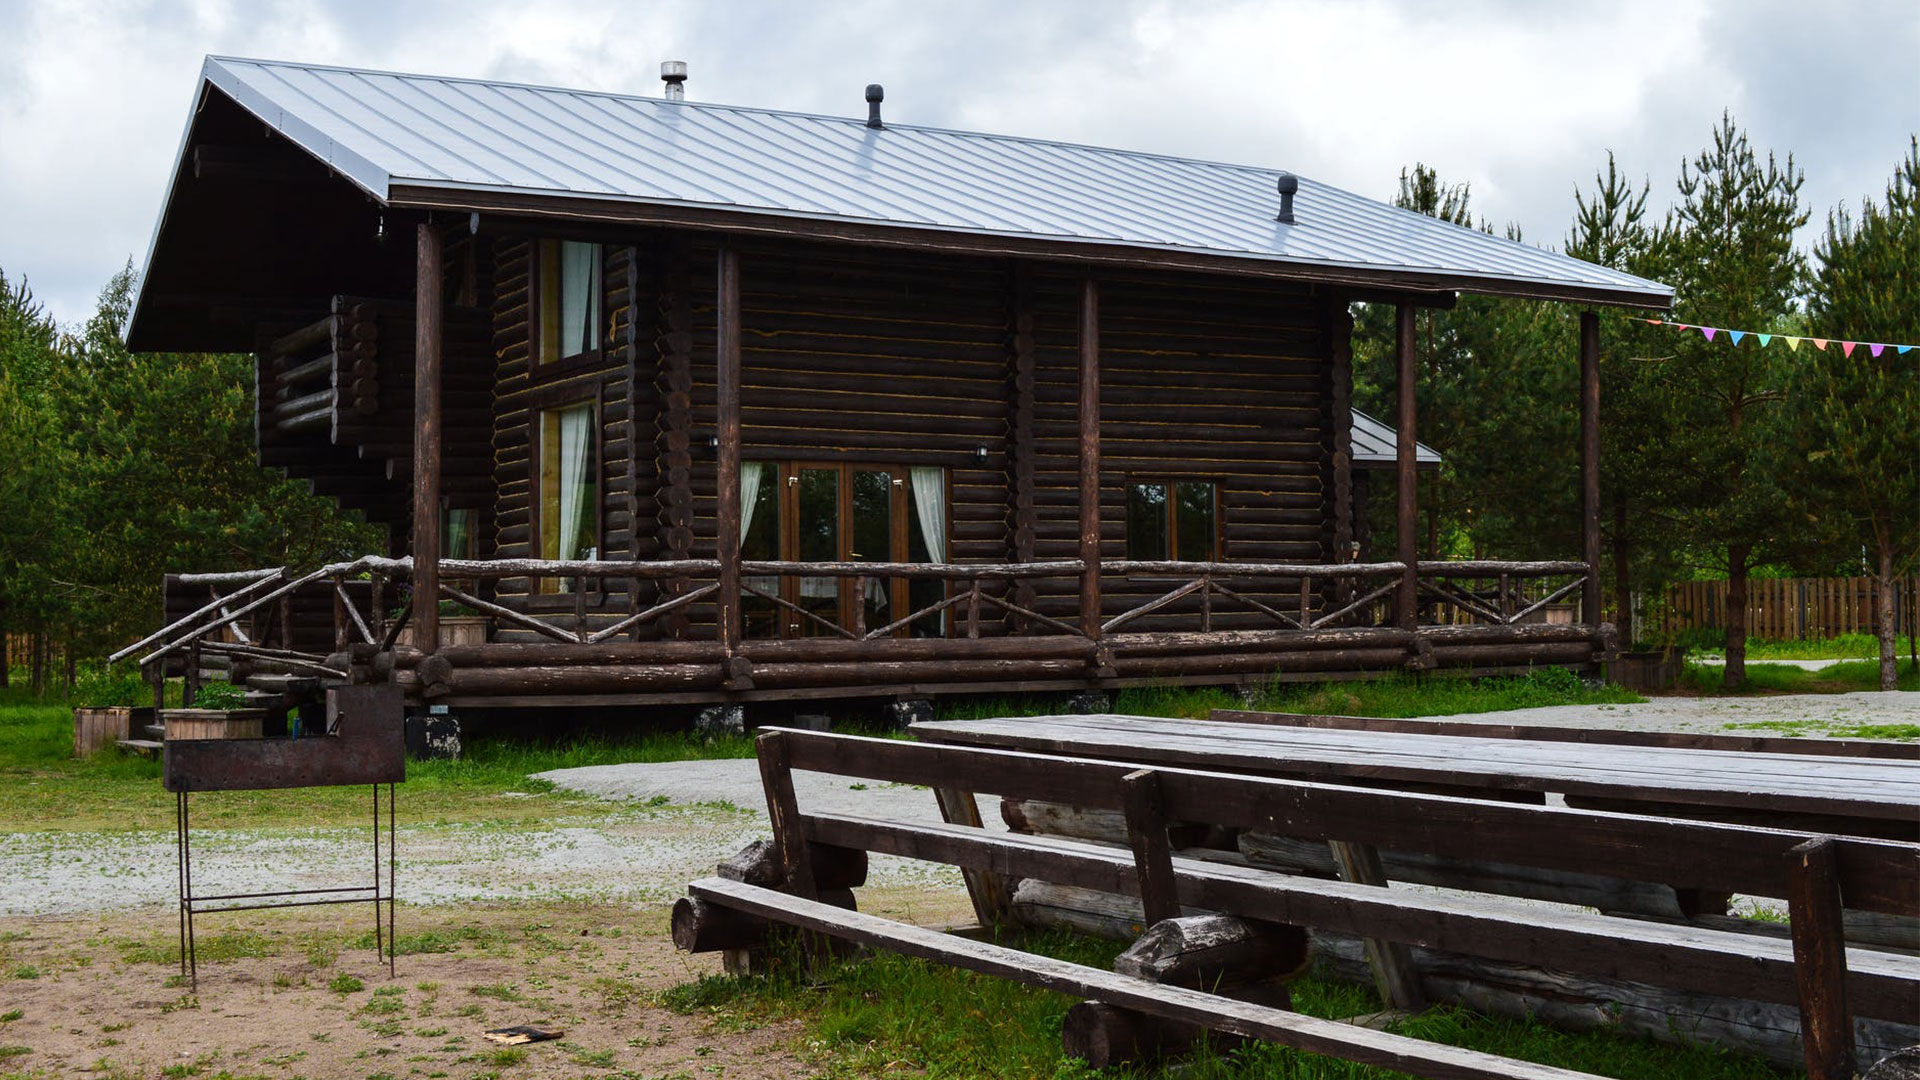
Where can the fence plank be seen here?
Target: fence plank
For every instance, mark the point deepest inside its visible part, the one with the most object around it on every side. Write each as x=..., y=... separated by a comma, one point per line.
x=1790, y=608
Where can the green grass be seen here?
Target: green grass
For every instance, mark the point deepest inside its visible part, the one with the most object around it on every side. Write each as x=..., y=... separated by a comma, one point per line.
x=1765, y=678
x=1840, y=647
x=887, y=1012
x=42, y=787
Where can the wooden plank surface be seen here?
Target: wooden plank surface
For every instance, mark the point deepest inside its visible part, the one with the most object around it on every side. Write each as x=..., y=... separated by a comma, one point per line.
x=1312, y=1034
x=1849, y=787
x=1680, y=955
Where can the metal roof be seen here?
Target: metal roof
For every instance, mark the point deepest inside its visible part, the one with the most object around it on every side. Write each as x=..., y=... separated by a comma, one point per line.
x=397, y=136
x=1375, y=445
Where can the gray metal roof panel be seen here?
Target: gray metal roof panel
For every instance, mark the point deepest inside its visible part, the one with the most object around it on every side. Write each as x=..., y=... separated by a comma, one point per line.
x=383, y=129
x=1375, y=444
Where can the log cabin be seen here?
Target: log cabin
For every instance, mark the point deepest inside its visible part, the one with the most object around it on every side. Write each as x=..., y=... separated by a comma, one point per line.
x=663, y=401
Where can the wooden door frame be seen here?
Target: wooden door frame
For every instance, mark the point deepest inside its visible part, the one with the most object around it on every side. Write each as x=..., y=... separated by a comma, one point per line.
x=787, y=475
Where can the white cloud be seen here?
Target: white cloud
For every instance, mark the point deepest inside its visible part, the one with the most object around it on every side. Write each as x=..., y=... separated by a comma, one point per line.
x=1520, y=99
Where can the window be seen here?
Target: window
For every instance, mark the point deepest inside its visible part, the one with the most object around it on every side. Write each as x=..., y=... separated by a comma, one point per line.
x=838, y=512
x=568, y=509
x=1173, y=519
x=457, y=534
x=566, y=280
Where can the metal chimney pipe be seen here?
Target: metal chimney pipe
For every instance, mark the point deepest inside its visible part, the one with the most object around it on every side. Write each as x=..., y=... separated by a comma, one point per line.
x=875, y=95
x=674, y=74
x=1288, y=184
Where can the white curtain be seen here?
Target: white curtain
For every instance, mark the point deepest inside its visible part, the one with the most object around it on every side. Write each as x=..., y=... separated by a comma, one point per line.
x=576, y=442
x=750, y=473
x=579, y=297
x=930, y=506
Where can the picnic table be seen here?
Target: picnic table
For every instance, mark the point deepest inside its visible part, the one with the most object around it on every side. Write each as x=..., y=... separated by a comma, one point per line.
x=1857, y=795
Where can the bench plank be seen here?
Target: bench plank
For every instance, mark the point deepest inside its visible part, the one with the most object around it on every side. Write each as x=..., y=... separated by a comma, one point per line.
x=1681, y=956
x=1308, y=1033
x=1875, y=875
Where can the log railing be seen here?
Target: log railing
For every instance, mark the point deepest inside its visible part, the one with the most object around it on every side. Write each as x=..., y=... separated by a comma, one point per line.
x=1307, y=598
x=1498, y=593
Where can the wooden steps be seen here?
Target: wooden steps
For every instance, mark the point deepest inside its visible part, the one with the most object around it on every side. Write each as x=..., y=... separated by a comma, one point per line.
x=144, y=747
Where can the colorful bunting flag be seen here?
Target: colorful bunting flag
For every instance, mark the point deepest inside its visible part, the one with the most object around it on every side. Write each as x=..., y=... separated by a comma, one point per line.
x=1735, y=337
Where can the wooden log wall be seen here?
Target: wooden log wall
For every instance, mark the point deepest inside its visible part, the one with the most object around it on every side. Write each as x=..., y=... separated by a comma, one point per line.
x=897, y=359
x=1201, y=379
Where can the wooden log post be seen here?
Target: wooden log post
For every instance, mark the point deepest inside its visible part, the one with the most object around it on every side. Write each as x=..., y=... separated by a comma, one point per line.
x=727, y=459
x=427, y=319
x=1090, y=458
x=1590, y=465
x=1152, y=848
x=1820, y=959
x=1407, y=502
x=1390, y=962
x=783, y=810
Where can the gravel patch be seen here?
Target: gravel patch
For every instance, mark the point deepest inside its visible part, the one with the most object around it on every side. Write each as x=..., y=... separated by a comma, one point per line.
x=1708, y=715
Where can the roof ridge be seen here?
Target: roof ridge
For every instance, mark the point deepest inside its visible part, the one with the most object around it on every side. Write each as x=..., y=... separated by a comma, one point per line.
x=858, y=121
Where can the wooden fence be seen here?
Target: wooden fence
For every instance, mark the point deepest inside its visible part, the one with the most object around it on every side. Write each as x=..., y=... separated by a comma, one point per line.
x=1785, y=609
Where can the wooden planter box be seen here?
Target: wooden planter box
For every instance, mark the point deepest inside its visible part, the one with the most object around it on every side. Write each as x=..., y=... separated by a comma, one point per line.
x=213, y=723
x=96, y=729
x=1647, y=671
x=454, y=630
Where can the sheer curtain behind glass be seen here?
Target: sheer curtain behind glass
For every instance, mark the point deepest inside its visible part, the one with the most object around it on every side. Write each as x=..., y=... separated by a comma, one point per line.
x=576, y=483
x=579, y=297
x=930, y=507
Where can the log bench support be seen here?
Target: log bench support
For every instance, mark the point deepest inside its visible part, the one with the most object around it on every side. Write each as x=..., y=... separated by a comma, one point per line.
x=1820, y=959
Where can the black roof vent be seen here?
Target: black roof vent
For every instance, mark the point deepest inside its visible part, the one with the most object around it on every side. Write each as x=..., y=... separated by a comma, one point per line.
x=875, y=95
x=1288, y=184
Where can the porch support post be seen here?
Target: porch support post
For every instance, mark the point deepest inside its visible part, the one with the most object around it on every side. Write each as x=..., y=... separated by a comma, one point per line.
x=726, y=386
x=1590, y=464
x=1406, y=531
x=427, y=316
x=1090, y=458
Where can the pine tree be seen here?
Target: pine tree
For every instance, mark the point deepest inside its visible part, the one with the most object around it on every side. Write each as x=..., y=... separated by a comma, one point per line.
x=1856, y=418
x=1734, y=264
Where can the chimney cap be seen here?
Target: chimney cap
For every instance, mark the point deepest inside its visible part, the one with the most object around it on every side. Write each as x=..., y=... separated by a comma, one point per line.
x=674, y=74
x=875, y=95
x=1287, y=185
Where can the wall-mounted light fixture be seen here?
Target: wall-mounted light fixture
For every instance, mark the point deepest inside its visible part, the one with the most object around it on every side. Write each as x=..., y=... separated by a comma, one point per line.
x=980, y=454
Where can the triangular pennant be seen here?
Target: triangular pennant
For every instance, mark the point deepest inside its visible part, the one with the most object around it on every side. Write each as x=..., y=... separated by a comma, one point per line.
x=1764, y=339
x=1709, y=331
x=1904, y=349
x=1876, y=350
x=1793, y=343
x=1819, y=343
x=1847, y=347
x=1653, y=322
x=1736, y=335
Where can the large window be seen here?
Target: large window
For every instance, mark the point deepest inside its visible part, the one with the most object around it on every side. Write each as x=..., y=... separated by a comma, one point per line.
x=567, y=291
x=1173, y=519
x=568, y=508
x=840, y=512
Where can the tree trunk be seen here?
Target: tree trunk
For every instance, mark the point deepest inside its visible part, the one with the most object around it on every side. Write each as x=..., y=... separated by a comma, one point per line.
x=1622, y=576
x=1736, y=672
x=1883, y=610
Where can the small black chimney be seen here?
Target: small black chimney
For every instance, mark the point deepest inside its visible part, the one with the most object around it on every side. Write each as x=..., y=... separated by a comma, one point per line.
x=875, y=95
x=1288, y=184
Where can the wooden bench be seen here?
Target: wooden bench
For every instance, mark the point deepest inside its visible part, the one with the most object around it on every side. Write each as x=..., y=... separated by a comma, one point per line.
x=1813, y=971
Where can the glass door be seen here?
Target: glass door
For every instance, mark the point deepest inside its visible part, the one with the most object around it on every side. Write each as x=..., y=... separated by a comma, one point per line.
x=816, y=538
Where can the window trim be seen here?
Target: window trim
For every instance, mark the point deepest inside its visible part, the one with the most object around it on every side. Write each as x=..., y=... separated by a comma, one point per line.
x=540, y=369
x=1172, y=524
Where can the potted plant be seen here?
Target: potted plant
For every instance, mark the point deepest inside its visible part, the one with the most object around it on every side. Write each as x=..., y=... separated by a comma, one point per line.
x=110, y=712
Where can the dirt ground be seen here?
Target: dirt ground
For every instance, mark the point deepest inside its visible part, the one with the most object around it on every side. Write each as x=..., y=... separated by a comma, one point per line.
x=300, y=994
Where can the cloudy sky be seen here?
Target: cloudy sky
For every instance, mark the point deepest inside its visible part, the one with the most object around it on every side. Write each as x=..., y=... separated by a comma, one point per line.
x=1520, y=98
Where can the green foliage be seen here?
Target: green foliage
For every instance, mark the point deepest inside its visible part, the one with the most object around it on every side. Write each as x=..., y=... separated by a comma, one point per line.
x=122, y=466
x=99, y=686
x=219, y=695
x=1854, y=478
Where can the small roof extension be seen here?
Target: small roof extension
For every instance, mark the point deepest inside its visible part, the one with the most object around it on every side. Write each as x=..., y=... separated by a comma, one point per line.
x=429, y=142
